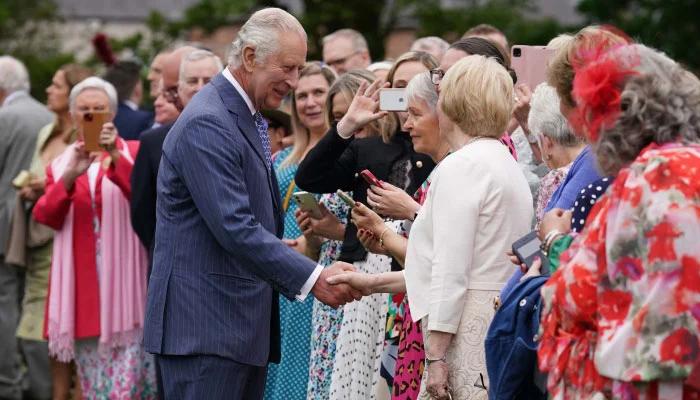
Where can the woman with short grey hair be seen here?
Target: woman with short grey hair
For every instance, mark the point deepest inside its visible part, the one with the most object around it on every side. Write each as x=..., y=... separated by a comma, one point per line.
x=558, y=145
x=422, y=125
x=97, y=284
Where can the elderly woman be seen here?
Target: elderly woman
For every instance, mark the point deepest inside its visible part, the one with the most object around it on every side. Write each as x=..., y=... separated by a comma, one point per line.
x=422, y=125
x=97, y=287
x=288, y=378
x=558, y=146
x=619, y=316
x=477, y=205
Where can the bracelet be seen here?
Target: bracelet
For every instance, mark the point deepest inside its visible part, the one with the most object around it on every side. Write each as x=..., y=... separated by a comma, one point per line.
x=429, y=361
x=381, y=237
x=548, y=240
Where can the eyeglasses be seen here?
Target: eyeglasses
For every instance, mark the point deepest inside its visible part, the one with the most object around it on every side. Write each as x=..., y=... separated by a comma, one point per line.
x=340, y=61
x=170, y=94
x=436, y=75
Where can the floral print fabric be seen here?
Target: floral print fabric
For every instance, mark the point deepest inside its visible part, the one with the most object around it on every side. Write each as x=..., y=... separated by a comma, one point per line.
x=622, y=312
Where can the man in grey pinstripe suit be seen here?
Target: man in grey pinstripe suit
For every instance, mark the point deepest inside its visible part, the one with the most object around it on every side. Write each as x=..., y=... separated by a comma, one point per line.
x=211, y=315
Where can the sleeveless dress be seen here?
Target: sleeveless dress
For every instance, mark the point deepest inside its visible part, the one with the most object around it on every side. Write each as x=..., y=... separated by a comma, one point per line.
x=288, y=379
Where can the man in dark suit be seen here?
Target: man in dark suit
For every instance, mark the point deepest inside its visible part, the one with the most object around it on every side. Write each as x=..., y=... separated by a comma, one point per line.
x=130, y=120
x=218, y=264
x=145, y=172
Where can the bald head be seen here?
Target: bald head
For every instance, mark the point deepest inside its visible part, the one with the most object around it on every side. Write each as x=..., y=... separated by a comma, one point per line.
x=171, y=67
x=171, y=75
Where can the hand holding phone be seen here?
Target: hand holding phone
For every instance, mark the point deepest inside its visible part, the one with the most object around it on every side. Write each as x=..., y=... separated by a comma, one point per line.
x=92, y=127
x=393, y=100
x=371, y=180
x=307, y=202
x=527, y=248
x=347, y=199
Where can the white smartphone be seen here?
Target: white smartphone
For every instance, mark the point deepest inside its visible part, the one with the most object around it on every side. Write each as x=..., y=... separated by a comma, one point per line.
x=307, y=202
x=393, y=100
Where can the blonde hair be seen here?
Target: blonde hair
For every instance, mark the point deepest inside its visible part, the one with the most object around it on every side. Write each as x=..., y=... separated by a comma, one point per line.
x=560, y=73
x=302, y=135
x=477, y=95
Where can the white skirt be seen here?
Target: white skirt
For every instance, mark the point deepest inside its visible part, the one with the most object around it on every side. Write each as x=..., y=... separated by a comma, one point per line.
x=466, y=357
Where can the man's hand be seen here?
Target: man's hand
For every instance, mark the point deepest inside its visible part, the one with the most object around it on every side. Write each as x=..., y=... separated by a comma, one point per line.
x=335, y=295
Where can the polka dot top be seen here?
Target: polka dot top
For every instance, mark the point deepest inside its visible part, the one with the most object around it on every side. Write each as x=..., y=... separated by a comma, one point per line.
x=585, y=200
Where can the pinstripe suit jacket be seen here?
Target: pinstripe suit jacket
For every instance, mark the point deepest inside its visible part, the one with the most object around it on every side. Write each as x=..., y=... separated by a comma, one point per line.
x=218, y=262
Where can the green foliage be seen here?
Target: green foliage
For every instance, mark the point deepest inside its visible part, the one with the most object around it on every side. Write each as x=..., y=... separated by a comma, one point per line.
x=670, y=26
x=508, y=15
x=27, y=33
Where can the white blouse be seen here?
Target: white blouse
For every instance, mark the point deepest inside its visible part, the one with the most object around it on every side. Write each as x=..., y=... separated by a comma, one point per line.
x=478, y=204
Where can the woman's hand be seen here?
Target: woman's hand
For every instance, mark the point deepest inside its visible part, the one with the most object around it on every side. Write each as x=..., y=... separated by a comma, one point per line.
x=108, y=139
x=363, y=109
x=78, y=163
x=370, y=242
x=438, y=385
x=558, y=219
x=535, y=269
x=360, y=281
x=392, y=202
x=521, y=111
x=33, y=190
x=328, y=226
x=366, y=219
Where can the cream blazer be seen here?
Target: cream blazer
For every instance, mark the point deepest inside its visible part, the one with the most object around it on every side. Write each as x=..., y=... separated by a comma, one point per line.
x=478, y=204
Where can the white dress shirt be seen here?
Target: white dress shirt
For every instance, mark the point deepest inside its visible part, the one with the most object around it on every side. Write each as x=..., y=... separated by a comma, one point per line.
x=306, y=288
x=478, y=204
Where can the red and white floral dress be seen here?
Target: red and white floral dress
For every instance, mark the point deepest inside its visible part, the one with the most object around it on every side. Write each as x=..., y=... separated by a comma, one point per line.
x=621, y=316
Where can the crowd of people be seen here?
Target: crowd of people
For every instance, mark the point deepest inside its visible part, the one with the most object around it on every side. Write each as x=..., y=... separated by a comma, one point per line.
x=153, y=266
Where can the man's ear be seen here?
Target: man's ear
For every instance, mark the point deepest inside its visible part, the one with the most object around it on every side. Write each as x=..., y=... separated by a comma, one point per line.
x=248, y=58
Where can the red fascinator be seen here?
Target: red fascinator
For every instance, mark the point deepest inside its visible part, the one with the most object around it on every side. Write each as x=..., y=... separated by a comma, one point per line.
x=600, y=74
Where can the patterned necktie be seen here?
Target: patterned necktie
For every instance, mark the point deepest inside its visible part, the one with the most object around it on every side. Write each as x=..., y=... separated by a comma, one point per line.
x=261, y=125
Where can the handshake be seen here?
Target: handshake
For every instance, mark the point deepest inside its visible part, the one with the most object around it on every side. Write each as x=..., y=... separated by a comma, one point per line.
x=336, y=292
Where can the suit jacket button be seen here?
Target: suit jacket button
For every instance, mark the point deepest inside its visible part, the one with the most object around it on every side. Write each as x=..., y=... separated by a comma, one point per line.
x=357, y=175
x=419, y=164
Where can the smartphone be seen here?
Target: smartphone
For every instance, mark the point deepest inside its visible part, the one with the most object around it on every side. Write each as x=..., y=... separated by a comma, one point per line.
x=371, y=180
x=530, y=63
x=393, y=100
x=307, y=202
x=92, y=126
x=527, y=248
x=346, y=198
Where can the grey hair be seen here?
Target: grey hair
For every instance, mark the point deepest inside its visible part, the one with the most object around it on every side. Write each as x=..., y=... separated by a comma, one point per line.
x=199, y=55
x=379, y=66
x=358, y=41
x=13, y=75
x=660, y=104
x=421, y=87
x=96, y=83
x=258, y=32
x=428, y=43
x=545, y=118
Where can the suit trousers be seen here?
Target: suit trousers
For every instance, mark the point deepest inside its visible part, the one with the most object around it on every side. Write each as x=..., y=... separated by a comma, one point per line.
x=10, y=301
x=210, y=377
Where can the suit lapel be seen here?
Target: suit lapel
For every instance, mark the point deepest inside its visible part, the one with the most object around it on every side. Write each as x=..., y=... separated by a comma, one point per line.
x=236, y=105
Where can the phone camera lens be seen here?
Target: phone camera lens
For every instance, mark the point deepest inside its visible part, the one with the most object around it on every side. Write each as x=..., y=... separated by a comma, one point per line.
x=517, y=52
